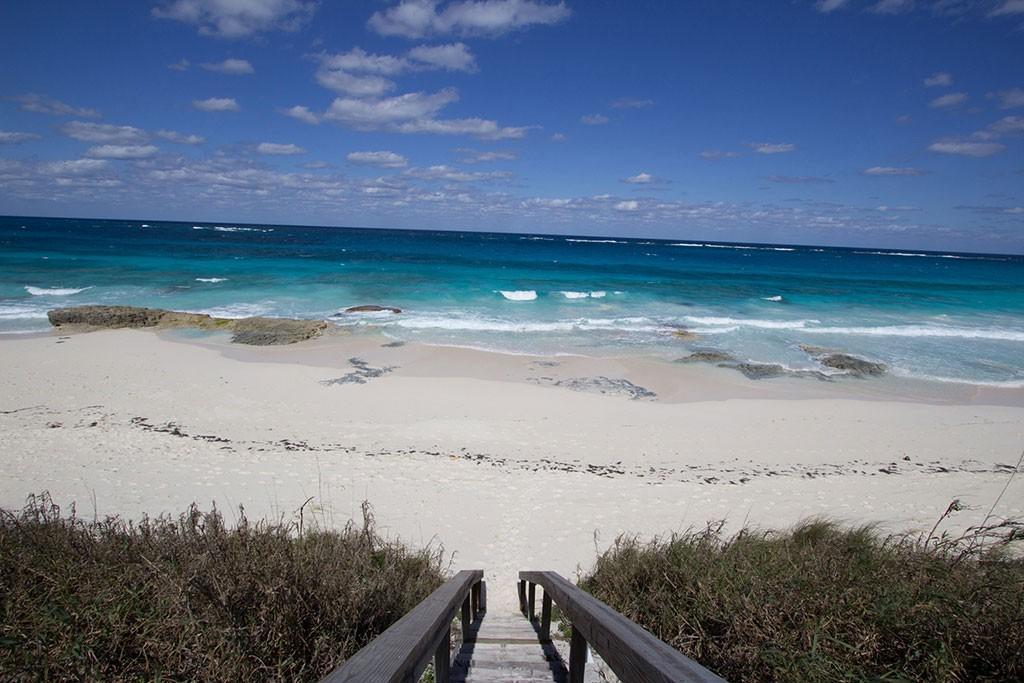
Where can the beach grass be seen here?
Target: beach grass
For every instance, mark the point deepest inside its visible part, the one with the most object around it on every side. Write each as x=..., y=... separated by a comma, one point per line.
x=195, y=598
x=823, y=602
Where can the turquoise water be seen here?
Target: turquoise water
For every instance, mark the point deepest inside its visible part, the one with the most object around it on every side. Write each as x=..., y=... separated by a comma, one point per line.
x=951, y=317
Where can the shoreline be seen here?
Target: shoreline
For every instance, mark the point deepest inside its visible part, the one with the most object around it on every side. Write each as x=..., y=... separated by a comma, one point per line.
x=463, y=449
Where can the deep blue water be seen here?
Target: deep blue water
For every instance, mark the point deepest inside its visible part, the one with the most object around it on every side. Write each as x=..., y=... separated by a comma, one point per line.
x=944, y=316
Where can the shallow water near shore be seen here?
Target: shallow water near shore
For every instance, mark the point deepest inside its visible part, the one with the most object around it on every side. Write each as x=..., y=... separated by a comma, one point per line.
x=936, y=316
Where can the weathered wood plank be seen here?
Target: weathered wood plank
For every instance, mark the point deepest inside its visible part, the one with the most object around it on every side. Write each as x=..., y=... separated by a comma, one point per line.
x=632, y=653
x=402, y=652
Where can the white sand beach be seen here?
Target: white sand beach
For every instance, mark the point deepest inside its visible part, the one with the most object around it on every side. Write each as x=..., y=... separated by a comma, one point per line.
x=508, y=462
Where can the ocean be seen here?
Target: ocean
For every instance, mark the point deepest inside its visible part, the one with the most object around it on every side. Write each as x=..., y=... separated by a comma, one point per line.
x=948, y=317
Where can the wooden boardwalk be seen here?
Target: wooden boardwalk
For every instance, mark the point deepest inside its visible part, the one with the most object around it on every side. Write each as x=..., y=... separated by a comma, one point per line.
x=506, y=649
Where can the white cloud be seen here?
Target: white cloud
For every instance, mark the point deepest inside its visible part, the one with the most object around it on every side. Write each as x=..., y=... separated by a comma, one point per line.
x=630, y=205
x=893, y=171
x=559, y=137
x=966, y=147
x=180, y=65
x=1007, y=126
x=1008, y=7
x=949, y=100
x=715, y=154
x=1011, y=98
x=631, y=103
x=74, y=167
x=303, y=114
x=104, y=133
x=420, y=18
x=216, y=104
x=639, y=179
x=374, y=114
x=904, y=119
x=383, y=159
x=238, y=18
x=180, y=138
x=484, y=129
x=279, y=149
x=122, y=151
x=345, y=83
x=893, y=6
x=41, y=104
x=474, y=157
x=772, y=147
x=445, y=173
x=594, y=119
x=232, y=67
x=939, y=78
x=8, y=137
x=451, y=57
x=826, y=6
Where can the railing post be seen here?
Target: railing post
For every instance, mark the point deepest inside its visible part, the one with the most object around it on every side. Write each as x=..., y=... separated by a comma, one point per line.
x=474, y=599
x=467, y=619
x=443, y=658
x=577, y=656
x=522, y=597
x=532, y=600
x=545, y=619
x=483, y=596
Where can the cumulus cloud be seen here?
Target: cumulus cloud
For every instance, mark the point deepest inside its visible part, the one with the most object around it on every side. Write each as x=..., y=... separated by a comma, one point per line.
x=716, y=154
x=451, y=57
x=1007, y=125
x=103, y=133
x=772, y=147
x=966, y=147
x=232, y=67
x=122, y=151
x=639, y=179
x=41, y=104
x=893, y=171
x=180, y=138
x=238, y=18
x=345, y=83
x=9, y=137
x=939, y=78
x=1008, y=7
x=1009, y=99
x=631, y=103
x=949, y=100
x=421, y=18
x=559, y=137
x=383, y=159
x=594, y=119
x=826, y=6
x=472, y=156
x=445, y=173
x=216, y=104
x=74, y=167
x=279, y=149
x=628, y=205
x=300, y=113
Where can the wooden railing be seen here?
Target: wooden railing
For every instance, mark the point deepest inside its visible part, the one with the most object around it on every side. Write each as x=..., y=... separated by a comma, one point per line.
x=403, y=651
x=632, y=653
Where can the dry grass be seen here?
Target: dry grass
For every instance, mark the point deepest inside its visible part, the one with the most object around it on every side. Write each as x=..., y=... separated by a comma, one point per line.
x=193, y=598
x=826, y=603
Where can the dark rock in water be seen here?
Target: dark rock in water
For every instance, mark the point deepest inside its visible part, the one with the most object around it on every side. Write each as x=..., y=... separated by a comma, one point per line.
x=812, y=350
x=853, y=365
x=683, y=334
x=707, y=357
x=759, y=370
x=275, y=331
x=393, y=344
x=256, y=331
x=372, y=308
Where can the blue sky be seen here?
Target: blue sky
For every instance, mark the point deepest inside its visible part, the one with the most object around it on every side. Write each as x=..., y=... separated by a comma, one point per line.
x=893, y=123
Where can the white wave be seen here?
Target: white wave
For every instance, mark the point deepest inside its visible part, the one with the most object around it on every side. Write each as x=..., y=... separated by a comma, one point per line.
x=730, y=246
x=999, y=334
x=22, y=313
x=474, y=324
x=211, y=279
x=55, y=291
x=685, y=244
x=576, y=239
x=221, y=228
x=749, y=322
x=519, y=294
x=772, y=298
x=545, y=239
x=144, y=225
x=952, y=256
x=575, y=295
x=599, y=294
x=237, y=310
x=1001, y=384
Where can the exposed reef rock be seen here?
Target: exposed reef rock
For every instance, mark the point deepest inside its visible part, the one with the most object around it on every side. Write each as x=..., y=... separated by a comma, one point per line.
x=372, y=308
x=683, y=334
x=709, y=356
x=759, y=370
x=253, y=331
x=853, y=365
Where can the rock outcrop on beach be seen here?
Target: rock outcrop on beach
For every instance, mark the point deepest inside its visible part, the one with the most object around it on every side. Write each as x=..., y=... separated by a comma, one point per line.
x=759, y=370
x=853, y=365
x=683, y=334
x=372, y=308
x=707, y=357
x=253, y=331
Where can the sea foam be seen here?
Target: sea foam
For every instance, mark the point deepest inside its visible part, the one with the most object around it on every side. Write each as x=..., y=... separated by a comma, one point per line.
x=55, y=291
x=211, y=279
x=519, y=294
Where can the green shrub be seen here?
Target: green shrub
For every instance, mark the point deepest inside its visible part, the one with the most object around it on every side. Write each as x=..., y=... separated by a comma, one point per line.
x=193, y=598
x=824, y=603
